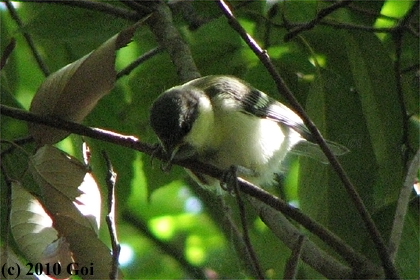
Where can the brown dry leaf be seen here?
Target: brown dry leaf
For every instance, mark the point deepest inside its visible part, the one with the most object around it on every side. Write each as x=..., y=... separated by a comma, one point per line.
x=73, y=91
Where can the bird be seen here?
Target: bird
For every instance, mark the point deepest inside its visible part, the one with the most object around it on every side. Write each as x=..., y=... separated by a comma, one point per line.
x=224, y=121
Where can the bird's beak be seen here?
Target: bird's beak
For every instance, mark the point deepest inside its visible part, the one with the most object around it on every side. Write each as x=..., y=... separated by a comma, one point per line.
x=177, y=152
x=182, y=151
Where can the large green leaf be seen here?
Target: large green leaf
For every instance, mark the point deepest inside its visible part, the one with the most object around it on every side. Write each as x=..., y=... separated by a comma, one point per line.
x=213, y=48
x=376, y=88
x=63, y=34
x=321, y=194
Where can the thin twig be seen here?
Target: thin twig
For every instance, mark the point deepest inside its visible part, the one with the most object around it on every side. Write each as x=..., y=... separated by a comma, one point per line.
x=292, y=264
x=221, y=212
x=42, y=65
x=326, y=22
x=96, y=133
x=248, y=244
x=398, y=36
x=137, y=6
x=350, y=26
x=319, y=16
x=194, y=271
x=374, y=233
x=343, y=25
x=414, y=67
x=233, y=233
x=131, y=142
x=8, y=207
x=7, y=52
x=16, y=142
x=312, y=254
x=413, y=10
x=127, y=70
x=398, y=41
x=95, y=6
x=111, y=179
x=374, y=14
x=402, y=205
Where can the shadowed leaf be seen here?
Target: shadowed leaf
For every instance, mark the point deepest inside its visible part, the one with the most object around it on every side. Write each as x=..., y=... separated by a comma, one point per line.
x=73, y=91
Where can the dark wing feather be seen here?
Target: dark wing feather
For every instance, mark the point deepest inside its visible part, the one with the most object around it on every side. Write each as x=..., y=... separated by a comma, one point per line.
x=263, y=106
x=252, y=101
x=255, y=102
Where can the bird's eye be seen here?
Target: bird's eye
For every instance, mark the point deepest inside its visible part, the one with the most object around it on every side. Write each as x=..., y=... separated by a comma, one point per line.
x=186, y=127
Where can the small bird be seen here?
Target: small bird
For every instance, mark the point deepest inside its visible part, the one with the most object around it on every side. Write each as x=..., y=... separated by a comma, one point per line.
x=224, y=121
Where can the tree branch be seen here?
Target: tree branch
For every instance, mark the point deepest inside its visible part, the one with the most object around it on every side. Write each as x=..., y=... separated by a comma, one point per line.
x=133, y=65
x=375, y=235
x=319, y=16
x=292, y=264
x=352, y=257
x=7, y=52
x=330, y=23
x=356, y=260
x=311, y=253
x=242, y=215
x=111, y=179
x=96, y=133
x=95, y=6
x=168, y=36
x=42, y=65
x=187, y=11
x=402, y=205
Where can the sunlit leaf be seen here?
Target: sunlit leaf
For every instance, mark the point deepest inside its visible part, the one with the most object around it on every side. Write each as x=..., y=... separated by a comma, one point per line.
x=72, y=198
x=33, y=232
x=73, y=91
x=89, y=251
x=66, y=187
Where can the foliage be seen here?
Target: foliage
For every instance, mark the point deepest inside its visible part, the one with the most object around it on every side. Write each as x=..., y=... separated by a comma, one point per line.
x=354, y=67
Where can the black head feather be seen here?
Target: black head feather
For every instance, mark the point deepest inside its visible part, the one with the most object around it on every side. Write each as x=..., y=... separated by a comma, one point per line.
x=173, y=114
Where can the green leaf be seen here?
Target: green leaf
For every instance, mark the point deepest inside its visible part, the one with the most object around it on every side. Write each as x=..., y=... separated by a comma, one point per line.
x=376, y=88
x=407, y=260
x=213, y=48
x=336, y=110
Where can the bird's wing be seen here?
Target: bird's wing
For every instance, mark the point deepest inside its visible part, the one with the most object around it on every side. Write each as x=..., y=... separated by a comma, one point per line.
x=251, y=101
x=259, y=104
